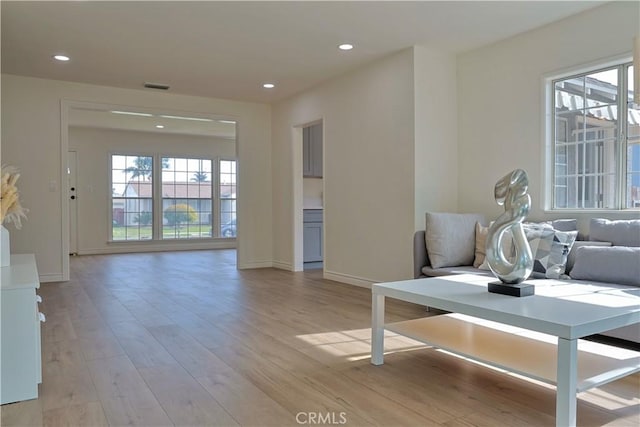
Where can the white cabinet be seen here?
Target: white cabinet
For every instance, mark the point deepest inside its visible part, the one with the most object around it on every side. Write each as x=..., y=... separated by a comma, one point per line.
x=312, y=151
x=312, y=235
x=21, y=367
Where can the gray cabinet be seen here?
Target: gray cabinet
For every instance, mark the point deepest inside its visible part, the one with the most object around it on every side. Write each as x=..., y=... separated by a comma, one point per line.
x=312, y=235
x=312, y=151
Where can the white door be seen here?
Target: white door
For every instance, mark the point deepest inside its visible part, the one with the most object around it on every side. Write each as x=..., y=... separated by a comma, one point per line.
x=72, y=160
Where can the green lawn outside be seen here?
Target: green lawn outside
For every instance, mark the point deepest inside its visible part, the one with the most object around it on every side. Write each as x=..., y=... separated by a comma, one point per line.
x=145, y=232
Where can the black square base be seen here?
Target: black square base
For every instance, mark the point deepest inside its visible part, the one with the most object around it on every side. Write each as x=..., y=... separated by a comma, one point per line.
x=520, y=290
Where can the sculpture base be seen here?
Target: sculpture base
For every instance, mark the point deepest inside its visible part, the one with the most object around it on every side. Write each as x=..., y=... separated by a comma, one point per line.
x=516, y=290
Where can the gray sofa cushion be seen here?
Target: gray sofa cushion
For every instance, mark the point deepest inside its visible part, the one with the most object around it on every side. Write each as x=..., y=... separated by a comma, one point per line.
x=450, y=238
x=615, y=264
x=571, y=259
x=619, y=232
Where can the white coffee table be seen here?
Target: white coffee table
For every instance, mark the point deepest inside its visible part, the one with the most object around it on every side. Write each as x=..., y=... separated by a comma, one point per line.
x=539, y=334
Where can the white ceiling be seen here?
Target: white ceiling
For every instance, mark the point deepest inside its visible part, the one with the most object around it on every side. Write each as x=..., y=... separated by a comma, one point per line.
x=228, y=49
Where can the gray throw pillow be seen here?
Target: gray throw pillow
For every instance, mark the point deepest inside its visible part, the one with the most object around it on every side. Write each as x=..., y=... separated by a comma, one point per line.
x=450, y=238
x=571, y=259
x=565, y=224
x=619, y=233
x=550, y=249
x=615, y=264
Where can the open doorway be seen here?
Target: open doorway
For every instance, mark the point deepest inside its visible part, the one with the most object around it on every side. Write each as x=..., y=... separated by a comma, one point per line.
x=309, y=230
x=146, y=180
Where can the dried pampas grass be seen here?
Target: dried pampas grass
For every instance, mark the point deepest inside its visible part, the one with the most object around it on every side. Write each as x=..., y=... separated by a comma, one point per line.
x=10, y=208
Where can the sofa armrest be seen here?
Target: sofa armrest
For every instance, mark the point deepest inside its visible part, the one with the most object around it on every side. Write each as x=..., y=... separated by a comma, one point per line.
x=420, y=258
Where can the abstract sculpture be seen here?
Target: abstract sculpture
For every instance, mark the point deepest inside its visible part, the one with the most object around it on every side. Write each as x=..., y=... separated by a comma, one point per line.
x=511, y=191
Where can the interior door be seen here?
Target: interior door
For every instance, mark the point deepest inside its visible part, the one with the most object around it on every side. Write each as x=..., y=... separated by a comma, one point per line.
x=72, y=161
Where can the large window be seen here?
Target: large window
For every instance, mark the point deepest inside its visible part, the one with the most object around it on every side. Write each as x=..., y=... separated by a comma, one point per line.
x=196, y=198
x=596, y=150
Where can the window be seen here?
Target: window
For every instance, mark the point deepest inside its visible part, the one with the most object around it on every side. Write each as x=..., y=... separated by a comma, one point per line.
x=228, y=188
x=132, y=199
x=184, y=200
x=596, y=150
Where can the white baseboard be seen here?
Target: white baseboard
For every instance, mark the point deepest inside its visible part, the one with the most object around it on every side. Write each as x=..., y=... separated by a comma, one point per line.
x=349, y=279
x=255, y=264
x=135, y=248
x=44, y=278
x=283, y=265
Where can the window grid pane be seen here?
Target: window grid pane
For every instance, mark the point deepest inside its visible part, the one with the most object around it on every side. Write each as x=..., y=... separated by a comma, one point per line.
x=228, y=187
x=131, y=200
x=186, y=198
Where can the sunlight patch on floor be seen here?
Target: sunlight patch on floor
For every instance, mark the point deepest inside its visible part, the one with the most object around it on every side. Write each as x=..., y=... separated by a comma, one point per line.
x=609, y=400
x=353, y=345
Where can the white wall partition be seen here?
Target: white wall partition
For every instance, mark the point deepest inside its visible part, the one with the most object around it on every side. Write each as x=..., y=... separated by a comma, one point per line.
x=372, y=147
x=368, y=198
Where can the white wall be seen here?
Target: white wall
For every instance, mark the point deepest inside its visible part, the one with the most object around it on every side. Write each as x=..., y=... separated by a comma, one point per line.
x=93, y=147
x=368, y=169
x=500, y=100
x=372, y=147
x=31, y=140
x=436, y=134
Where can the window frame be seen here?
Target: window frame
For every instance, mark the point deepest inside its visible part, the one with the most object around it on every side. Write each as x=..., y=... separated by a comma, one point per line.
x=548, y=125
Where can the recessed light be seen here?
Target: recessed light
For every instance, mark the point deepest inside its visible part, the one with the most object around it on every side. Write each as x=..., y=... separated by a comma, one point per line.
x=268, y=85
x=61, y=57
x=160, y=126
x=345, y=46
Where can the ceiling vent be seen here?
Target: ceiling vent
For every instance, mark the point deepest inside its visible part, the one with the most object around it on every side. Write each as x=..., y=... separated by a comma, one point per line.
x=156, y=86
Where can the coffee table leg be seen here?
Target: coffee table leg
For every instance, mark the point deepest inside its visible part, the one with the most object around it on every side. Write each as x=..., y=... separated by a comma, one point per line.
x=566, y=383
x=377, y=329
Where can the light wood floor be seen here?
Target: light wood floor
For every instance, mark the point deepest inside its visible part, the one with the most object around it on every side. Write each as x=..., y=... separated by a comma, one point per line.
x=186, y=339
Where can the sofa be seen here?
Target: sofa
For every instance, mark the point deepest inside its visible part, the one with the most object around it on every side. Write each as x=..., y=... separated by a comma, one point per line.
x=610, y=253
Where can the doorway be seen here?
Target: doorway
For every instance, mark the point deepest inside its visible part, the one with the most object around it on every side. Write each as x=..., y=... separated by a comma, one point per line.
x=309, y=214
